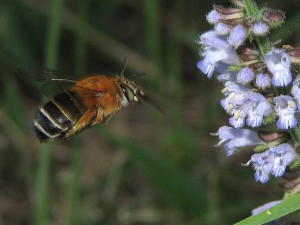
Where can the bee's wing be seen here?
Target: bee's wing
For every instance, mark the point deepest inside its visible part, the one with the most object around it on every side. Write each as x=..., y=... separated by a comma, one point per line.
x=58, y=86
x=55, y=87
x=153, y=103
x=45, y=75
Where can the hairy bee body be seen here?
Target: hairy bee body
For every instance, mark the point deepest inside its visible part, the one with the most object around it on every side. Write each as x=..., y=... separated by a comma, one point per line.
x=84, y=103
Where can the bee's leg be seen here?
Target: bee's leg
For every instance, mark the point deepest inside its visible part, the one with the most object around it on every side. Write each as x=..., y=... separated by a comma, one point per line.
x=86, y=120
x=100, y=116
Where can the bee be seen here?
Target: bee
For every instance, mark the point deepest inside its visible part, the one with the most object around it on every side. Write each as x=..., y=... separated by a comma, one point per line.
x=85, y=102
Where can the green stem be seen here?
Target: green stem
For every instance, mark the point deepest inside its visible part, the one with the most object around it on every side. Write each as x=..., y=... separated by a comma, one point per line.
x=52, y=44
x=153, y=38
x=73, y=204
x=253, y=12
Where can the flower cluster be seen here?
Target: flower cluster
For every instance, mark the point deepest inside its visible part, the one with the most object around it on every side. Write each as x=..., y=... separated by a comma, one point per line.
x=261, y=86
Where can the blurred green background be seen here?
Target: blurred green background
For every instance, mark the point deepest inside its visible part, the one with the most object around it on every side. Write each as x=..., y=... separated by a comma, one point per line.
x=142, y=168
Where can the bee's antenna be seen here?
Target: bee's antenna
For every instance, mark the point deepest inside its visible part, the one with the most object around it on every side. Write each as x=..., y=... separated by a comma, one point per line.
x=138, y=75
x=124, y=66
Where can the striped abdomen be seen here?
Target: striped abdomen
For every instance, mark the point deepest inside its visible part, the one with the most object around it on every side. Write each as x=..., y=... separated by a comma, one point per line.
x=57, y=117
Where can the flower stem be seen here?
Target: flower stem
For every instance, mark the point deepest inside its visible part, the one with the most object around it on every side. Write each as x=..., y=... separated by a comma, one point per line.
x=254, y=12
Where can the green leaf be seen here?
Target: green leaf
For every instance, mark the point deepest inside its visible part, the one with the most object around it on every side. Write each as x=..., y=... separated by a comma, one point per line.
x=285, y=207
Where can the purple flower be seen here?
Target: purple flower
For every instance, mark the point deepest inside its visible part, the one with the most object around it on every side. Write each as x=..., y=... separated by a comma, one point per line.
x=235, y=103
x=278, y=63
x=216, y=52
x=263, y=80
x=262, y=163
x=295, y=91
x=236, y=138
x=241, y=102
x=285, y=108
x=222, y=29
x=273, y=161
x=213, y=17
x=226, y=76
x=245, y=75
x=284, y=154
x=258, y=108
x=235, y=96
x=237, y=36
x=260, y=28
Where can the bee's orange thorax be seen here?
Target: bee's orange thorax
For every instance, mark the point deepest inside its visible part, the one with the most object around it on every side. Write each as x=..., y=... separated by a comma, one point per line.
x=106, y=87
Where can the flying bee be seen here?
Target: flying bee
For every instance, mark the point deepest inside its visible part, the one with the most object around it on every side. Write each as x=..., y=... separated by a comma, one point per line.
x=82, y=103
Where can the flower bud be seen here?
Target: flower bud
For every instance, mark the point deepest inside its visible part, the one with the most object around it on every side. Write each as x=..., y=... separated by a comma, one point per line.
x=248, y=54
x=222, y=29
x=269, y=136
x=213, y=17
x=260, y=28
x=230, y=13
x=274, y=18
x=263, y=80
x=294, y=54
x=237, y=36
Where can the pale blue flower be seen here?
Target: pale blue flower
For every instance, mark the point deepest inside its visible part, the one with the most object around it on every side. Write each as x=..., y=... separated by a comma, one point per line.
x=245, y=75
x=263, y=80
x=227, y=76
x=295, y=91
x=258, y=108
x=260, y=28
x=222, y=29
x=285, y=108
x=216, y=52
x=235, y=95
x=241, y=102
x=278, y=63
x=284, y=154
x=213, y=17
x=237, y=138
x=262, y=163
x=237, y=36
x=273, y=161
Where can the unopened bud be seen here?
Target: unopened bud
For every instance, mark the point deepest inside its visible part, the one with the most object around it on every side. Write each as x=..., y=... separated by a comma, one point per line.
x=274, y=18
x=248, y=56
x=260, y=28
x=294, y=54
x=230, y=13
x=268, y=136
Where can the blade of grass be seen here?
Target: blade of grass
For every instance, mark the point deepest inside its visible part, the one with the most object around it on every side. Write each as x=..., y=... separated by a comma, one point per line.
x=80, y=65
x=153, y=38
x=285, y=207
x=51, y=59
x=73, y=204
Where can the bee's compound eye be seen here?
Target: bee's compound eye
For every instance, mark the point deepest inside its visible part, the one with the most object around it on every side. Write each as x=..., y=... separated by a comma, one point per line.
x=128, y=92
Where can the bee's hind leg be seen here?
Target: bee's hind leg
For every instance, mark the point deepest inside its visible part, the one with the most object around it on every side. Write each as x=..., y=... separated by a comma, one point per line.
x=90, y=117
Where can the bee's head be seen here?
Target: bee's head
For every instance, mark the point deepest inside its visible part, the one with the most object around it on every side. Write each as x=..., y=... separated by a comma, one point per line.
x=134, y=93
